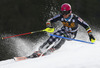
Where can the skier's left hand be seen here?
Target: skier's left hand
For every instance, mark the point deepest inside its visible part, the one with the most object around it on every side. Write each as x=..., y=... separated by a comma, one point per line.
x=91, y=37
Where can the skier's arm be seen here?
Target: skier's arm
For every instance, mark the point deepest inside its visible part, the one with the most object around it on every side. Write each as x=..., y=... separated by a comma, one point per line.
x=88, y=29
x=52, y=20
x=49, y=27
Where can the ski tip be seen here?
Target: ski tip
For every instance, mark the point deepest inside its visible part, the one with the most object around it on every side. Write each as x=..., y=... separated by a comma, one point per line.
x=19, y=58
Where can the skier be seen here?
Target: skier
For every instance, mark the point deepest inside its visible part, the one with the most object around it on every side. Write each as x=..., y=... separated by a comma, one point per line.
x=69, y=29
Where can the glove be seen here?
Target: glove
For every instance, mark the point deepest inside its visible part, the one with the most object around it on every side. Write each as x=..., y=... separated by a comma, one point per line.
x=91, y=37
x=49, y=29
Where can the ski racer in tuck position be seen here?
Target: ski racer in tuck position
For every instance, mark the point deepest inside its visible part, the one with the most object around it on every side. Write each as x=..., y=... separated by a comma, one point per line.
x=69, y=29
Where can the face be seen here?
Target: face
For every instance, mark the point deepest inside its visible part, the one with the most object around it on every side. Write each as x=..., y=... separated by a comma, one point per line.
x=66, y=16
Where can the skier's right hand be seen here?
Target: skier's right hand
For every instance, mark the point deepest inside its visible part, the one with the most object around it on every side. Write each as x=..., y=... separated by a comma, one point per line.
x=49, y=29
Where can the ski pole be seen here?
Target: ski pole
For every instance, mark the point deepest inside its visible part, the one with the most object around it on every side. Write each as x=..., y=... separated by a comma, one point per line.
x=23, y=34
x=47, y=30
x=71, y=39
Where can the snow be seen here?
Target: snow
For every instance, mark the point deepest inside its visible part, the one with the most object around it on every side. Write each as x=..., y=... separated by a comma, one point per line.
x=72, y=54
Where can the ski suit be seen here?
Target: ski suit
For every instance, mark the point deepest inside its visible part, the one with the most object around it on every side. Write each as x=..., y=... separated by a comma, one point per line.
x=69, y=29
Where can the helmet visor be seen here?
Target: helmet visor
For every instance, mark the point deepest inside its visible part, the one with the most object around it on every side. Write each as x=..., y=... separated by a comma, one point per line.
x=65, y=12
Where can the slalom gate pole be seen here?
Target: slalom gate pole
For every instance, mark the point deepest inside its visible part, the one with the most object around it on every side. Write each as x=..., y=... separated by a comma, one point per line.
x=71, y=39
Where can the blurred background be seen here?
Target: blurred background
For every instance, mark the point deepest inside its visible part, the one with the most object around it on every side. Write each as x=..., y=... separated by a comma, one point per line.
x=22, y=16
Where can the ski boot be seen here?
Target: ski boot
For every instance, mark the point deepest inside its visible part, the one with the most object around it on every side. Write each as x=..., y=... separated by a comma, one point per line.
x=35, y=54
x=49, y=51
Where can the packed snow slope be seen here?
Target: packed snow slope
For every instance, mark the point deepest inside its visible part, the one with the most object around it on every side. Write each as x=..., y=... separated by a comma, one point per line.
x=71, y=55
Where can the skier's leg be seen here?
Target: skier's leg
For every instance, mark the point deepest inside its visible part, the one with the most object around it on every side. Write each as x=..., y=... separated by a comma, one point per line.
x=59, y=44
x=48, y=45
x=51, y=43
x=55, y=46
x=62, y=41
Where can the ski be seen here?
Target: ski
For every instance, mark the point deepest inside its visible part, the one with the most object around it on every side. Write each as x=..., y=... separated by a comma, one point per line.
x=20, y=58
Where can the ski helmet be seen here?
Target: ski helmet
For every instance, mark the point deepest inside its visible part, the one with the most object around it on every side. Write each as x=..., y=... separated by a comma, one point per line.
x=66, y=8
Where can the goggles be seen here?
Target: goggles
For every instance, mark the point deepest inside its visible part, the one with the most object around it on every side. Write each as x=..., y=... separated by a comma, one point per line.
x=64, y=12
